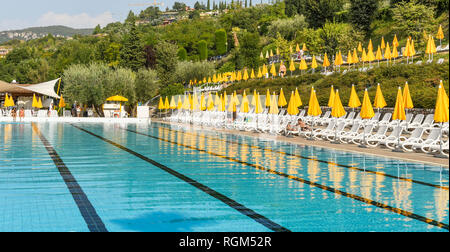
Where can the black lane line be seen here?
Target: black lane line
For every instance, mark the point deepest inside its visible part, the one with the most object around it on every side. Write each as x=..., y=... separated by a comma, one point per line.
x=318, y=160
x=90, y=216
x=323, y=187
x=230, y=202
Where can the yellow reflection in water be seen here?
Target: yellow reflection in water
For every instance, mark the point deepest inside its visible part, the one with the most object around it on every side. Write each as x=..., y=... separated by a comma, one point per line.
x=441, y=203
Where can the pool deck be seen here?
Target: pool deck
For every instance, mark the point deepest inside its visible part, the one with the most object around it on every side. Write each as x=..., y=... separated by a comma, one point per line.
x=416, y=157
x=77, y=120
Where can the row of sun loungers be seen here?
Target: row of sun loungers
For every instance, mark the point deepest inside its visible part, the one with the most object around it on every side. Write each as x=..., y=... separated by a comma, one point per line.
x=417, y=133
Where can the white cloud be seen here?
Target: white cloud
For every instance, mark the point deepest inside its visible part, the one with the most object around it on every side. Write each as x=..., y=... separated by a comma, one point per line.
x=82, y=20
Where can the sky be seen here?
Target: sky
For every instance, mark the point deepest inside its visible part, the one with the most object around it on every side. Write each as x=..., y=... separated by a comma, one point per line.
x=19, y=14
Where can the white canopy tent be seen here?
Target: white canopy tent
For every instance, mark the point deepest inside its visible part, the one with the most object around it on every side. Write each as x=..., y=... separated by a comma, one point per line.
x=46, y=88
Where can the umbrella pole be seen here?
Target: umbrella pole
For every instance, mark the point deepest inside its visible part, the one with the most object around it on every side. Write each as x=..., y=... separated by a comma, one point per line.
x=335, y=141
x=311, y=136
x=363, y=142
x=440, y=155
x=398, y=148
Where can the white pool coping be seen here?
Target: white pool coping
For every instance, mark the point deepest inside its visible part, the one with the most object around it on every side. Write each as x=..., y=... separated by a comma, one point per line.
x=78, y=120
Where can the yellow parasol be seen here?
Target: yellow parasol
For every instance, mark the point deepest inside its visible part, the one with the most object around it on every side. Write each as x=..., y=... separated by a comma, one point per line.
x=161, y=104
x=355, y=58
x=268, y=100
x=273, y=105
x=298, y=100
x=314, y=63
x=326, y=62
x=245, y=108
x=166, y=103
x=117, y=98
x=331, y=99
x=292, y=107
x=62, y=103
x=202, y=102
x=407, y=101
x=180, y=103
x=337, y=110
x=354, y=101
x=379, y=101
x=282, y=100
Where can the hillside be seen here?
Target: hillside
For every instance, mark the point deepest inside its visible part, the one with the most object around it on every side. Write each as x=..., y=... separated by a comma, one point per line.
x=39, y=32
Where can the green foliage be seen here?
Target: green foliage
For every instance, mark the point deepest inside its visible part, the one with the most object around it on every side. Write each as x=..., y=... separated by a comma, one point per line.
x=187, y=71
x=202, y=50
x=362, y=13
x=147, y=85
x=249, y=49
x=172, y=90
x=318, y=12
x=166, y=61
x=287, y=27
x=132, y=55
x=182, y=54
x=221, y=41
x=412, y=19
x=423, y=82
x=339, y=36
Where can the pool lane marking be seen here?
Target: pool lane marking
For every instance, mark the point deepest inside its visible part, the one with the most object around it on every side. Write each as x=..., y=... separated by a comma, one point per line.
x=228, y=201
x=314, y=184
x=313, y=159
x=90, y=216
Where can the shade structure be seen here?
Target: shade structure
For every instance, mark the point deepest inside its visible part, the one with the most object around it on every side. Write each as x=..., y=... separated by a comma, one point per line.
x=259, y=75
x=360, y=49
x=338, y=109
x=236, y=99
x=267, y=54
x=304, y=47
x=387, y=52
x=314, y=107
x=355, y=58
x=379, y=101
x=394, y=52
x=232, y=107
x=245, y=106
x=210, y=103
x=166, y=103
x=252, y=74
x=161, y=104
x=292, y=107
x=354, y=101
x=35, y=102
x=245, y=76
x=203, y=102
x=179, y=103
x=117, y=98
x=399, y=110
x=282, y=100
x=331, y=99
x=292, y=66
x=273, y=105
x=298, y=100
x=39, y=103
x=239, y=76
x=268, y=99
x=314, y=63
x=395, y=41
x=46, y=88
x=326, y=62
x=407, y=51
x=6, y=104
x=441, y=112
x=370, y=56
x=341, y=61
x=407, y=101
x=264, y=70
x=370, y=46
x=225, y=97
x=173, y=104
x=367, y=109
x=11, y=101
x=383, y=43
x=61, y=103
x=254, y=98
x=303, y=65
x=273, y=71
x=258, y=105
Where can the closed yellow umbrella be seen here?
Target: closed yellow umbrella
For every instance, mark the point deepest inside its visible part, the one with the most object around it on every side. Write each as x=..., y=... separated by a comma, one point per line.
x=203, y=102
x=292, y=108
x=258, y=106
x=354, y=101
x=379, y=56
x=341, y=61
x=245, y=108
x=360, y=49
x=379, y=101
x=440, y=34
x=303, y=65
x=40, y=103
x=161, y=104
x=366, y=113
x=268, y=100
x=297, y=49
x=214, y=78
x=370, y=46
x=254, y=98
x=166, y=103
x=261, y=56
x=282, y=100
x=331, y=99
x=236, y=98
x=264, y=70
x=304, y=47
x=273, y=71
x=222, y=105
x=210, y=103
x=395, y=41
x=326, y=62
x=61, y=103
x=273, y=105
x=314, y=63
x=6, y=104
x=364, y=56
x=292, y=66
x=407, y=51
x=383, y=43
x=278, y=51
x=271, y=53
x=441, y=114
x=387, y=53
x=370, y=56
x=217, y=100
x=252, y=75
x=179, y=103
x=239, y=76
x=11, y=101
x=186, y=103
x=313, y=110
x=194, y=104
x=232, y=107
x=173, y=104
x=267, y=54
x=407, y=101
x=35, y=102
x=260, y=75
x=245, y=77
x=338, y=109
x=298, y=100
x=355, y=58
x=225, y=97
x=349, y=58
x=394, y=53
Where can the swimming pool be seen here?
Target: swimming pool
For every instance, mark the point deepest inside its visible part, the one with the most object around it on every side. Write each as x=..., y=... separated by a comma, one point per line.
x=119, y=177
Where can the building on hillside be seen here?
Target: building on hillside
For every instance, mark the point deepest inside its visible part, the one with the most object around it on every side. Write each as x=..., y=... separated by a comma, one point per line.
x=4, y=50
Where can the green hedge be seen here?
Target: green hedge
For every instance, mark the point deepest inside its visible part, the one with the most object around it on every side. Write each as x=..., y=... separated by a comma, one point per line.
x=423, y=81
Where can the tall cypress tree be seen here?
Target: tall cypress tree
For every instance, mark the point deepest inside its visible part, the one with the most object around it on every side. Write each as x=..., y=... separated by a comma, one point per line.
x=132, y=54
x=208, y=7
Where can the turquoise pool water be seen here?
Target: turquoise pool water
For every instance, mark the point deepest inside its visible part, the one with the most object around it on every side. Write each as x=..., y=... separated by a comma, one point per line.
x=111, y=177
